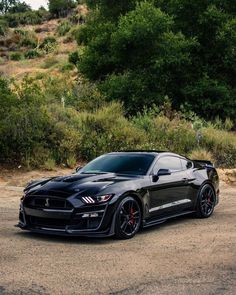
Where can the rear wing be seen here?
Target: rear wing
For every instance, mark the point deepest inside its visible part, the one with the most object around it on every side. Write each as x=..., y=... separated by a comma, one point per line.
x=204, y=163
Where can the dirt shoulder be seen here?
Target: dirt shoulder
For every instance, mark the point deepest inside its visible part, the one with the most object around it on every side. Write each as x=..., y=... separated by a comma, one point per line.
x=183, y=256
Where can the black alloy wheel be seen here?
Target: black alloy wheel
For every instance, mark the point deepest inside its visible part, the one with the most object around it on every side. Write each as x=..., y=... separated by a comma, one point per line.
x=206, y=201
x=128, y=218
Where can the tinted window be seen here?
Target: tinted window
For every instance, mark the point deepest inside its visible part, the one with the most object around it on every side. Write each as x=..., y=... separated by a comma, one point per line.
x=171, y=163
x=186, y=164
x=135, y=164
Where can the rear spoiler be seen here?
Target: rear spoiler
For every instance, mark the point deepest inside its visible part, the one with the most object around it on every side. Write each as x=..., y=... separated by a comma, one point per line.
x=204, y=163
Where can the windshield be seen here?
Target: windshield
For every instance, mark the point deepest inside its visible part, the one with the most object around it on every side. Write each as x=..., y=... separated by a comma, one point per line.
x=134, y=164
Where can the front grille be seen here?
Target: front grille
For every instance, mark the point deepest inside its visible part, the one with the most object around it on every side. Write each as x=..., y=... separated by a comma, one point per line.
x=48, y=222
x=48, y=203
x=78, y=223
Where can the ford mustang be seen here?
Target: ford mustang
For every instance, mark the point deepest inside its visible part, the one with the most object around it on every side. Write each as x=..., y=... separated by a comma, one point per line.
x=118, y=193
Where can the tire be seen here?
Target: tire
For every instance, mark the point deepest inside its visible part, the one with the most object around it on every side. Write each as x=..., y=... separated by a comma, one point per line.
x=206, y=202
x=128, y=218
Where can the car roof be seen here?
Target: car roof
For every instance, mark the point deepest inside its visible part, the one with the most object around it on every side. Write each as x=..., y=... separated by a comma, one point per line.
x=148, y=152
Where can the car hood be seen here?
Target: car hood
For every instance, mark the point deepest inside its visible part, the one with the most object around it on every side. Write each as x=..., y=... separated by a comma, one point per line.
x=81, y=184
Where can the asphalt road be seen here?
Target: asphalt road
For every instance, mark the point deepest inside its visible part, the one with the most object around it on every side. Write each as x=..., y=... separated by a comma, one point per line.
x=183, y=256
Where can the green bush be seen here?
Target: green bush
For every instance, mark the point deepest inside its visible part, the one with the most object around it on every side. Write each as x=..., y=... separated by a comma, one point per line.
x=48, y=45
x=26, y=18
x=221, y=144
x=3, y=27
x=39, y=131
x=29, y=41
x=66, y=67
x=106, y=130
x=33, y=53
x=201, y=154
x=63, y=28
x=74, y=57
x=60, y=8
x=141, y=51
x=16, y=56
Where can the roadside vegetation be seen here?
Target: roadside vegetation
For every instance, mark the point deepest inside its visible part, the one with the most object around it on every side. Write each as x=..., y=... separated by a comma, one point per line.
x=142, y=75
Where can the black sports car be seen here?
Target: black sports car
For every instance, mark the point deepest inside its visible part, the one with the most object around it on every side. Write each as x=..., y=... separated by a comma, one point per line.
x=118, y=193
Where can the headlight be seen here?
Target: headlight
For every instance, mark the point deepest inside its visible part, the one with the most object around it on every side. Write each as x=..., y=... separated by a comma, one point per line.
x=96, y=199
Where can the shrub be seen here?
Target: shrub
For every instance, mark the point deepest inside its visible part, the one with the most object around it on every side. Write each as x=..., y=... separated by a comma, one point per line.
x=201, y=154
x=49, y=165
x=63, y=28
x=49, y=62
x=106, y=130
x=60, y=8
x=16, y=56
x=39, y=132
x=33, y=53
x=67, y=67
x=3, y=27
x=71, y=161
x=29, y=41
x=48, y=45
x=26, y=18
x=74, y=57
x=222, y=145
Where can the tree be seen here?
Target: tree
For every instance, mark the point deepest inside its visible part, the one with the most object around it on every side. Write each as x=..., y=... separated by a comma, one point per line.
x=139, y=60
x=141, y=51
x=60, y=7
x=19, y=7
x=5, y=5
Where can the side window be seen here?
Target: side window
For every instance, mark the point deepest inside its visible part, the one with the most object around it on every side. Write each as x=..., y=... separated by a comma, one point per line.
x=171, y=163
x=186, y=164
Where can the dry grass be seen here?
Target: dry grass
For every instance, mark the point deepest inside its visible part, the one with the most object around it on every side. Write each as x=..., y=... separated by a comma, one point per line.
x=19, y=69
x=228, y=176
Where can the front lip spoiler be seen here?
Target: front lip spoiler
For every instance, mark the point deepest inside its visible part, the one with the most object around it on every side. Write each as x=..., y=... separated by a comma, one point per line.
x=66, y=232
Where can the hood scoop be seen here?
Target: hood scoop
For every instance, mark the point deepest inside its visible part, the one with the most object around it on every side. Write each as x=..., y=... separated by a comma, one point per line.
x=85, y=177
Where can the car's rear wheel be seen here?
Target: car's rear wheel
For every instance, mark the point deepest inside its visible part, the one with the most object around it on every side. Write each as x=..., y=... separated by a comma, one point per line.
x=206, y=201
x=128, y=218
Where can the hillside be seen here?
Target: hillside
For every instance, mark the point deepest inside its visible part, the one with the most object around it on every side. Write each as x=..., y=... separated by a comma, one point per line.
x=75, y=87
x=53, y=62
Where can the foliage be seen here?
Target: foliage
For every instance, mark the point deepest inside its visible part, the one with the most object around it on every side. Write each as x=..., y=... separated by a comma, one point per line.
x=49, y=62
x=60, y=8
x=48, y=45
x=74, y=57
x=63, y=28
x=140, y=52
x=37, y=130
x=27, y=38
x=16, y=56
x=26, y=18
x=19, y=7
x=5, y=5
x=66, y=67
x=201, y=154
x=32, y=53
x=3, y=27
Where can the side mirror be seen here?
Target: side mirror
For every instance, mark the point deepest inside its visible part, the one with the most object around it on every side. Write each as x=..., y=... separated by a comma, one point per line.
x=161, y=172
x=77, y=169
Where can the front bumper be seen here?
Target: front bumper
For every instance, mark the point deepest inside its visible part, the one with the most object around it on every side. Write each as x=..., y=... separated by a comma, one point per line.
x=87, y=221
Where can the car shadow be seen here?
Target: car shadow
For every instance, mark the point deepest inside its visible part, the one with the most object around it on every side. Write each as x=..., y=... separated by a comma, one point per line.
x=180, y=220
x=64, y=239
x=104, y=240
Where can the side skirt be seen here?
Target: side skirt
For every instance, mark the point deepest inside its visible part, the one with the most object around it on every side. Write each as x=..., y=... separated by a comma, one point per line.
x=163, y=219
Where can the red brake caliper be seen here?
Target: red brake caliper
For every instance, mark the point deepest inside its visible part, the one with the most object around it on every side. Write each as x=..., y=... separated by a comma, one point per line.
x=132, y=220
x=209, y=199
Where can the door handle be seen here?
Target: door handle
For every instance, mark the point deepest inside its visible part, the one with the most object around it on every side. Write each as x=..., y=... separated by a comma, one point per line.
x=185, y=179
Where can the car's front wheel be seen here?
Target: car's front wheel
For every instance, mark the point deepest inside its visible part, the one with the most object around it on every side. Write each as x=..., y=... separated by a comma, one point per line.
x=206, y=201
x=128, y=218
